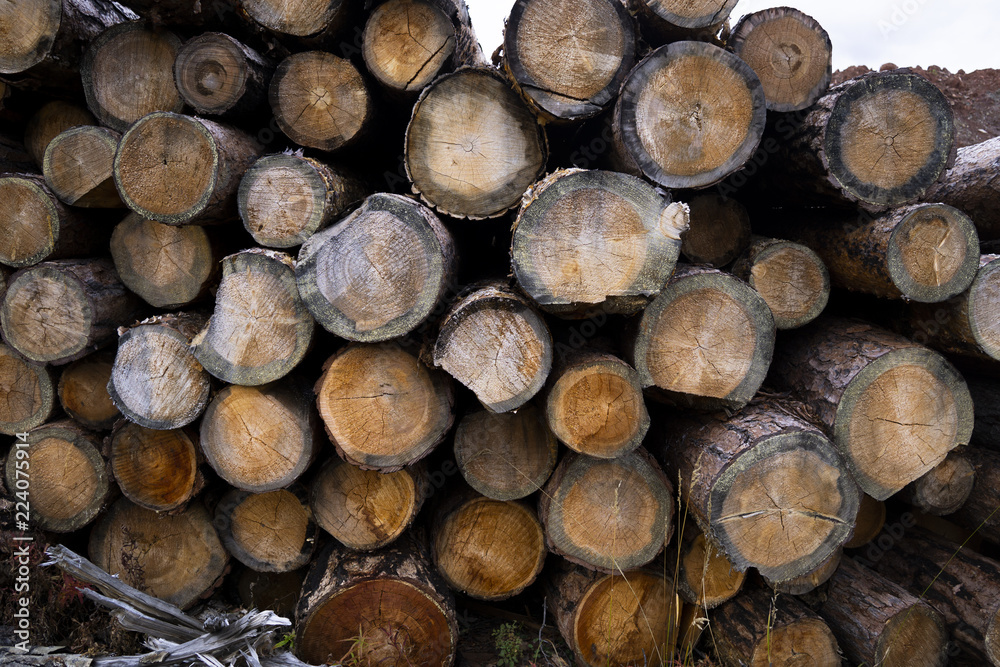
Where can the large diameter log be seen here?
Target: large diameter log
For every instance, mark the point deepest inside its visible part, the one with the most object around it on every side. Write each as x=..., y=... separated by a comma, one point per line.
x=79, y=167
x=595, y=239
x=382, y=407
x=50, y=120
x=260, y=329
x=719, y=230
x=389, y=607
x=43, y=40
x=895, y=409
x=128, y=72
x=760, y=630
x=379, y=272
x=971, y=185
x=59, y=311
x=943, y=489
x=505, y=456
x=472, y=146
x=26, y=393
x=595, y=406
x=790, y=53
x=260, y=438
x=609, y=515
x=957, y=582
x=284, y=199
x=689, y=114
x=298, y=19
x=979, y=513
x=704, y=576
x=487, y=549
x=268, y=532
x=365, y=509
x=568, y=59
x=180, y=169
x=406, y=43
x=68, y=476
x=923, y=252
x=168, y=266
x=320, y=100
x=497, y=345
x=83, y=391
x=790, y=277
x=626, y=618
x=766, y=485
x=158, y=470
x=38, y=226
x=178, y=558
x=876, y=622
x=156, y=381
x=218, y=75
x=880, y=140
x=706, y=340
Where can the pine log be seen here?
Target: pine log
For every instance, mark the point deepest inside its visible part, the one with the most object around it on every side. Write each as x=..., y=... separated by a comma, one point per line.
x=810, y=581
x=495, y=344
x=790, y=53
x=765, y=485
x=382, y=407
x=876, y=622
x=158, y=470
x=923, y=252
x=59, y=311
x=79, y=167
x=68, y=477
x=43, y=40
x=869, y=522
x=260, y=438
x=379, y=272
x=487, y=549
x=38, y=227
x=50, y=120
x=83, y=391
x=706, y=340
x=505, y=456
x=389, y=607
x=971, y=185
x=967, y=325
x=945, y=487
x=260, y=329
x=178, y=558
x=629, y=618
x=267, y=532
x=128, y=72
x=284, y=199
x=366, y=509
x=704, y=576
x=701, y=17
x=595, y=239
x=168, y=266
x=879, y=140
x=156, y=381
x=595, y=406
x=980, y=512
x=472, y=146
x=608, y=515
x=790, y=277
x=760, y=630
x=305, y=18
x=320, y=100
x=406, y=44
x=568, y=59
x=182, y=170
x=895, y=409
x=219, y=76
x=27, y=393
x=688, y=115
x=959, y=583
x=719, y=231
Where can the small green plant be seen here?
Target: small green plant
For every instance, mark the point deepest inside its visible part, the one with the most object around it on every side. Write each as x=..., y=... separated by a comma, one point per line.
x=287, y=641
x=508, y=644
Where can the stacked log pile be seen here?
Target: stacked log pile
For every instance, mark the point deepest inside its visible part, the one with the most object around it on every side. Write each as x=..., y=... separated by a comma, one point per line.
x=643, y=319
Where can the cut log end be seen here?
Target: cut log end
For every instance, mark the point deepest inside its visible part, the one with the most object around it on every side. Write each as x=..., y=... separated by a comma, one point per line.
x=83, y=391
x=79, y=167
x=59, y=331
x=944, y=488
x=790, y=53
x=29, y=32
x=719, y=232
x=28, y=389
x=983, y=297
x=267, y=532
x=913, y=637
x=30, y=220
x=406, y=43
x=791, y=278
x=705, y=577
x=933, y=253
x=299, y=19
x=157, y=470
x=808, y=640
x=212, y=73
x=692, y=15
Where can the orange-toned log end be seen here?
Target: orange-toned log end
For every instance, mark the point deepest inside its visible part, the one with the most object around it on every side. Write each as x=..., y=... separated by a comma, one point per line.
x=157, y=470
x=268, y=532
x=705, y=577
x=27, y=391
x=791, y=278
x=83, y=391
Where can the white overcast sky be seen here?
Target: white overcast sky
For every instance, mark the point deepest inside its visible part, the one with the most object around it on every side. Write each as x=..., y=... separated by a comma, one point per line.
x=955, y=34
